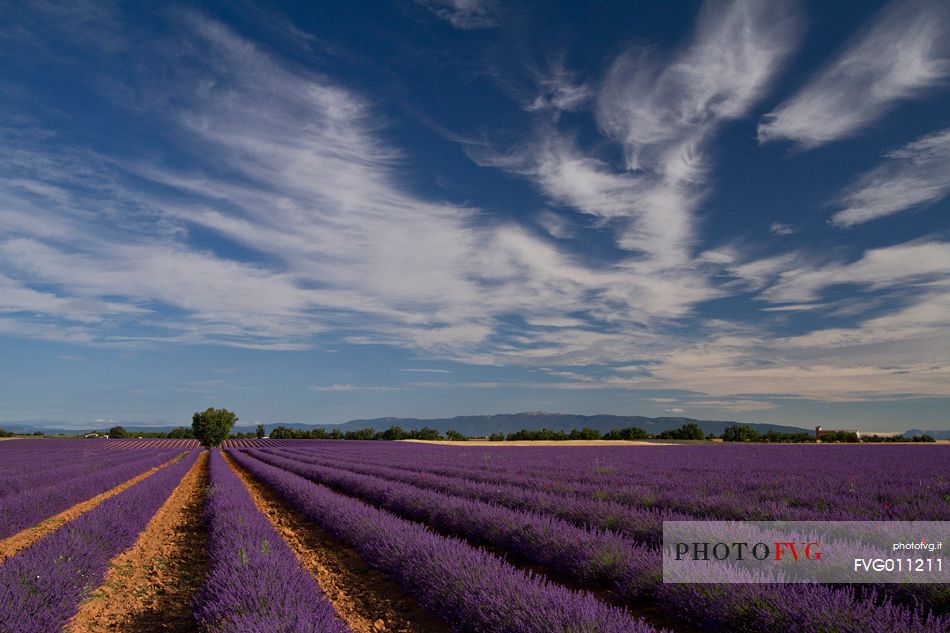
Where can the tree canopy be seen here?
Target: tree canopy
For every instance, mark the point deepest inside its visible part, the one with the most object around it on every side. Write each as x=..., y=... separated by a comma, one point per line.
x=212, y=426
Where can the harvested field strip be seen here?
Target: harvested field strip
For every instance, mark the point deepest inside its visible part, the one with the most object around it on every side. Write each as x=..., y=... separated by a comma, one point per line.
x=367, y=599
x=25, y=538
x=150, y=587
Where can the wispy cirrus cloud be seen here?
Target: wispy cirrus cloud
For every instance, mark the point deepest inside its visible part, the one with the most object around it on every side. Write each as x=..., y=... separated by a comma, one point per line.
x=901, y=266
x=347, y=388
x=900, y=55
x=272, y=213
x=740, y=406
x=304, y=191
x=915, y=175
x=663, y=113
x=559, y=90
x=778, y=228
x=465, y=14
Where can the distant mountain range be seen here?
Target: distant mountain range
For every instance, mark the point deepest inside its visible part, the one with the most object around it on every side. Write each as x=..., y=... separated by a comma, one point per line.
x=482, y=425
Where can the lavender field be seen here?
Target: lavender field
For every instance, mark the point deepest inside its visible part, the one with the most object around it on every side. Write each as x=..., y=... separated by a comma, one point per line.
x=307, y=535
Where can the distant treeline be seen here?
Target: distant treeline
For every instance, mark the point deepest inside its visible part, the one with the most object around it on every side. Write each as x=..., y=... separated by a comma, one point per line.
x=898, y=438
x=685, y=432
x=742, y=433
x=392, y=433
x=5, y=433
x=734, y=433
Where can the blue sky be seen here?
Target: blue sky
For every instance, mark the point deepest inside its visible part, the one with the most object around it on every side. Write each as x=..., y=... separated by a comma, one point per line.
x=730, y=210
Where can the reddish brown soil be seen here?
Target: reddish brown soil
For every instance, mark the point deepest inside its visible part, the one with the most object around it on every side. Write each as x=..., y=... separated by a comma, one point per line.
x=23, y=539
x=367, y=599
x=150, y=587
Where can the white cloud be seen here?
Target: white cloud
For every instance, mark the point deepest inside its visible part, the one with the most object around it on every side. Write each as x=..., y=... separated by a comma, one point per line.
x=902, y=265
x=290, y=171
x=778, y=228
x=465, y=14
x=741, y=406
x=663, y=115
x=661, y=112
x=915, y=175
x=559, y=91
x=897, y=345
x=346, y=388
x=904, y=52
x=312, y=193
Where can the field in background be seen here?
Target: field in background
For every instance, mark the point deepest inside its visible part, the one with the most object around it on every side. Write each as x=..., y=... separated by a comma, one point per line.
x=140, y=535
x=542, y=443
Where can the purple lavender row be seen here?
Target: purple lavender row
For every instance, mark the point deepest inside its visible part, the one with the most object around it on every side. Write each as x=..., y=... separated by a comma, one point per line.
x=41, y=455
x=645, y=526
x=587, y=555
x=641, y=525
x=724, y=483
x=805, y=483
x=30, y=507
x=471, y=589
x=898, y=479
x=632, y=571
x=31, y=477
x=41, y=587
x=254, y=584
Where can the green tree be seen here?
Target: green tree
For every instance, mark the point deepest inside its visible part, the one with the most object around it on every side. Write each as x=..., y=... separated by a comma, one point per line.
x=260, y=432
x=212, y=426
x=736, y=433
x=393, y=433
x=368, y=433
x=455, y=436
x=181, y=433
x=118, y=432
x=425, y=433
x=685, y=432
x=629, y=433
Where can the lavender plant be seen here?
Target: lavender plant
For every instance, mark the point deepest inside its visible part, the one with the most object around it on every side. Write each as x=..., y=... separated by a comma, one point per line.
x=42, y=586
x=254, y=584
x=473, y=590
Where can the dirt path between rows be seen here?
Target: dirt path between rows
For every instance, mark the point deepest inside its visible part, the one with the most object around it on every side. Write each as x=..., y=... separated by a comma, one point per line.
x=150, y=587
x=23, y=539
x=366, y=598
